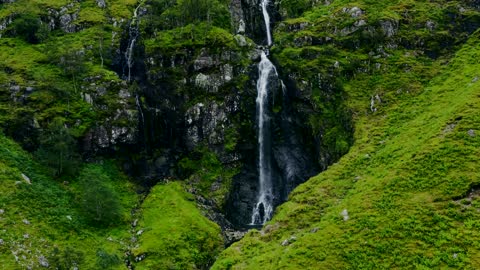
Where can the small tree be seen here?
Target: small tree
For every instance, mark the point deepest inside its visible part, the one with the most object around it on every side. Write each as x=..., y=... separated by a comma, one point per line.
x=26, y=26
x=106, y=260
x=58, y=149
x=100, y=203
x=68, y=258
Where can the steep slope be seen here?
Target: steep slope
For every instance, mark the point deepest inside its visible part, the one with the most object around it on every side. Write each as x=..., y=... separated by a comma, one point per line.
x=404, y=196
x=173, y=232
x=44, y=224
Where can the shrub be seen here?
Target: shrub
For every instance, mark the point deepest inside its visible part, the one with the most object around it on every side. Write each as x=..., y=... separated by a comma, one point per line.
x=66, y=259
x=106, y=260
x=58, y=149
x=29, y=27
x=100, y=203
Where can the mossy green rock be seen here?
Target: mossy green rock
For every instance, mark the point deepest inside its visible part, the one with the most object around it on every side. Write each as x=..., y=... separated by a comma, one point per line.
x=173, y=233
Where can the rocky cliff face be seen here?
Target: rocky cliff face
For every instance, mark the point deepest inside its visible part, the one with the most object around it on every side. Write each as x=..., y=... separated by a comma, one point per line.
x=182, y=102
x=194, y=96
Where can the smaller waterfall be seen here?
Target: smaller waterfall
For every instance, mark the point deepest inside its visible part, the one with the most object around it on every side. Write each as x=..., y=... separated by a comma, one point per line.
x=140, y=110
x=267, y=21
x=133, y=35
x=263, y=210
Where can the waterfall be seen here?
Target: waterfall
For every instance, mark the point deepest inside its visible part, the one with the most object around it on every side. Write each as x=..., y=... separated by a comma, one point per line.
x=263, y=209
x=140, y=110
x=266, y=18
x=133, y=35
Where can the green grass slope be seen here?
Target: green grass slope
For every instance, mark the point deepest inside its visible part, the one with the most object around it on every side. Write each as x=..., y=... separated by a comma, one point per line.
x=408, y=185
x=43, y=223
x=173, y=233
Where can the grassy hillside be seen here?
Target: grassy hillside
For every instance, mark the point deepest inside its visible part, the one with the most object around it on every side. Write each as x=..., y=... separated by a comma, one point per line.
x=405, y=196
x=43, y=223
x=173, y=233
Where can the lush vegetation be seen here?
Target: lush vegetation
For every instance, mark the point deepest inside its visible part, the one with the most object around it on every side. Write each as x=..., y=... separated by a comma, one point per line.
x=44, y=221
x=173, y=233
x=405, y=194
x=59, y=81
x=402, y=76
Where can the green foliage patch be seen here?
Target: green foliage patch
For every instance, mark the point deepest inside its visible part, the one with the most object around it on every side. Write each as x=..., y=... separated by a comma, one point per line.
x=175, y=233
x=45, y=219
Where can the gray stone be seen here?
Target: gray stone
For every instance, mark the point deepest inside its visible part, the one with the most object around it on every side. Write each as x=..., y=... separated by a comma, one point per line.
x=88, y=98
x=205, y=121
x=355, y=12
x=204, y=62
x=26, y=222
x=372, y=104
x=2, y=211
x=449, y=128
x=207, y=82
x=43, y=261
x=2, y=242
x=140, y=258
x=232, y=236
x=241, y=27
x=26, y=179
x=66, y=21
x=289, y=241
x=430, y=25
x=303, y=41
x=471, y=133
x=345, y=215
x=5, y=23
x=389, y=27
x=101, y=4
x=360, y=23
x=241, y=41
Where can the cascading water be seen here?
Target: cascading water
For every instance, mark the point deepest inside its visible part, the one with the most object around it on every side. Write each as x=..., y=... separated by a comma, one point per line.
x=133, y=34
x=263, y=209
x=266, y=17
x=140, y=110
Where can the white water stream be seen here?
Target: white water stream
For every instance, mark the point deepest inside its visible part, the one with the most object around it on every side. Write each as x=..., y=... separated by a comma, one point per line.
x=263, y=209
